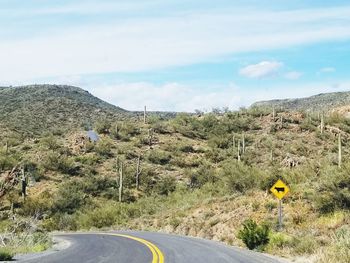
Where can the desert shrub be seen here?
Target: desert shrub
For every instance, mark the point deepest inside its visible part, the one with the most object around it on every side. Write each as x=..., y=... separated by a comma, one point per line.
x=165, y=185
x=37, y=205
x=104, y=147
x=50, y=142
x=188, y=125
x=204, y=174
x=69, y=198
x=253, y=235
x=339, y=251
x=222, y=142
x=103, y=126
x=61, y=221
x=126, y=130
x=6, y=254
x=61, y=163
x=160, y=127
x=107, y=215
x=6, y=161
x=159, y=157
x=95, y=185
x=216, y=155
x=186, y=148
x=333, y=191
x=239, y=177
x=280, y=240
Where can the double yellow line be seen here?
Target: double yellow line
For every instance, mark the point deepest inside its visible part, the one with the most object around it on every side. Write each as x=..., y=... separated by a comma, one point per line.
x=158, y=256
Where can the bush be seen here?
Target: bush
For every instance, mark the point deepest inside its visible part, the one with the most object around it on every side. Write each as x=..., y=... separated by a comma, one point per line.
x=5, y=255
x=69, y=198
x=239, y=177
x=60, y=163
x=253, y=235
x=204, y=174
x=104, y=147
x=334, y=190
x=103, y=127
x=166, y=185
x=159, y=157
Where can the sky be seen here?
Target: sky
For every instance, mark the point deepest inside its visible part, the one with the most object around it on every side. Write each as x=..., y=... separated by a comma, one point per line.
x=178, y=55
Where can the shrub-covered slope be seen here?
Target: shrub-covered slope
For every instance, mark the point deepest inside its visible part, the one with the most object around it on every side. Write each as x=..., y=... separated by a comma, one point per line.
x=320, y=102
x=197, y=175
x=40, y=108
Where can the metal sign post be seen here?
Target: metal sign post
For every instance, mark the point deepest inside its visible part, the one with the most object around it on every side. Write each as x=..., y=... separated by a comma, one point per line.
x=279, y=189
x=280, y=215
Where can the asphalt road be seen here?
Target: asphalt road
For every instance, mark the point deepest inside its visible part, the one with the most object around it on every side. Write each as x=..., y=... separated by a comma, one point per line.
x=145, y=247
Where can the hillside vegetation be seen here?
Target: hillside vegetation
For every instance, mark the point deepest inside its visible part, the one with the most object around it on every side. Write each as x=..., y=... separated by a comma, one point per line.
x=320, y=102
x=200, y=175
x=35, y=109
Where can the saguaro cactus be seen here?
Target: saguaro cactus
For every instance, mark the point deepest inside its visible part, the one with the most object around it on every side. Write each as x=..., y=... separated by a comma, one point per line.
x=150, y=136
x=273, y=113
x=144, y=115
x=322, y=123
x=243, y=143
x=233, y=143
x=121, y=175
x=24, y=184
x=239, y=151
x=138, y=172
x=339, y=151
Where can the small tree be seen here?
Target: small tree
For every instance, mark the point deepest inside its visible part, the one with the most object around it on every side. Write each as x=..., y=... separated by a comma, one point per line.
x=253, y=235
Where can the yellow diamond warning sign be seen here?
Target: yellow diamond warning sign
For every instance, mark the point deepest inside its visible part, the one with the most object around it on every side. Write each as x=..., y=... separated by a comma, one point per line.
x=279, y=189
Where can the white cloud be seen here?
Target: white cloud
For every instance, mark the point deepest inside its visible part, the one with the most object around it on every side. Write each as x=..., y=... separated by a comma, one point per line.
x=167, y=97
x=145, y=43
x=327, y=70
x=261, y=70
x=293, y=75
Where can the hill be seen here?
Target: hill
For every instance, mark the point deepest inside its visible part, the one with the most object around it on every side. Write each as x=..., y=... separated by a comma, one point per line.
x=320, y=102
x=44, y=108
x=198, y=175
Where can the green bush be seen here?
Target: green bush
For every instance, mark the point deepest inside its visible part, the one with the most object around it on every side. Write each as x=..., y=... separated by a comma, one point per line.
x=103, y=126
x=5, y=255
x=69, y=198
x=165, y=186
x=104, y=147
x=50, y=142
x=61, y=163
x=159, y=157
x=253, y=235
x=333, y=191
x=204, y=174
x=239, y=177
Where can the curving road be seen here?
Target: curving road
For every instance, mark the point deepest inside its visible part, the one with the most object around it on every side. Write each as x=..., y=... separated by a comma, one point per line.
x=144, y=247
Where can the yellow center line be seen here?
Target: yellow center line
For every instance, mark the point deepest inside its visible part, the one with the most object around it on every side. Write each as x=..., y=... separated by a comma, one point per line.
x=158, y=256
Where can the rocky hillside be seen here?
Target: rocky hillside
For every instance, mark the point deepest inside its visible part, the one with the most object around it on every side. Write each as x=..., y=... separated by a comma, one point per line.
x=36, y=109
x=198, y=175
x=320, y=102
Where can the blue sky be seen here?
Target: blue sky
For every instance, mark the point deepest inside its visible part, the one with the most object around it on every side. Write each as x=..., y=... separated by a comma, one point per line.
x=178, y=55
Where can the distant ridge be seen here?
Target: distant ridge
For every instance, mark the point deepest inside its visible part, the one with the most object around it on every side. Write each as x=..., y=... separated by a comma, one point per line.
x=320, y=102
x=35, y=109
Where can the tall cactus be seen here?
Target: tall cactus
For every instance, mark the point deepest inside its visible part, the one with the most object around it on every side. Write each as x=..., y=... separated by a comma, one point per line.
x=322, y=123
x=24, y=184
x=243, y=144
x=239, y=151
x=144, y=115
x=150, y=136
x=138, y=172
x=121, y=175
x=339, y=151
x=273, y=113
